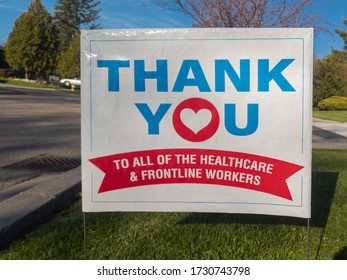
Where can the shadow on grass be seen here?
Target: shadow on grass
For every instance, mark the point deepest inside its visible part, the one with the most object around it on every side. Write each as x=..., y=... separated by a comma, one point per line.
x=323, y=189
x=341, y=255
x=3, y=81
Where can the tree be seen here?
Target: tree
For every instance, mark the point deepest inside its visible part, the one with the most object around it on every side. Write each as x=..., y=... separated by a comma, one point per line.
x=343, y=35
x=331, y=77
x=330, y=73
x=72, y=15
x=3, y=62
x=32, y=44
x=69, y=60
x=248, y=13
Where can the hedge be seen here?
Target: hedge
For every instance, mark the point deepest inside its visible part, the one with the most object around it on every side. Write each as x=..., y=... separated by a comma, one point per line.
x=333, y=103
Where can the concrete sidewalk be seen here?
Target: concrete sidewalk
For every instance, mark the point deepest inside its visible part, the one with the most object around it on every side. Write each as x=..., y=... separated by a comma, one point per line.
x=29, y=207
x=329, y=134
x=334, y=127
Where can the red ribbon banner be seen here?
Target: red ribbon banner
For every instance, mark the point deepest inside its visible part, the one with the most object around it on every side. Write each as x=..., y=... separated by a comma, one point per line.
x=196, y=166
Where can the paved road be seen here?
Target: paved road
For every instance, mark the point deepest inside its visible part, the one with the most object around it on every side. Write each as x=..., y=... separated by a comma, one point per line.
x=35, y=122
x=38, y=128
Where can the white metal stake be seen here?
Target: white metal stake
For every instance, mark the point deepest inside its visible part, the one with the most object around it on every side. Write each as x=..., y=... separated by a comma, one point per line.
x=308, y=240
x=85, y=234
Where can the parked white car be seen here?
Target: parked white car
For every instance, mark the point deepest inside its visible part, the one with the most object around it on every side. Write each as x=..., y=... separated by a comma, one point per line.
x=70, y=82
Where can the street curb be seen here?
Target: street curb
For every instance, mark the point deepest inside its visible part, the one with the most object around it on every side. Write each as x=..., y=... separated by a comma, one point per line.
x=29, y=207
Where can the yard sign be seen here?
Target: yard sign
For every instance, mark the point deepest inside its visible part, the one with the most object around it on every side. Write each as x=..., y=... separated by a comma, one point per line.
x=198, y=120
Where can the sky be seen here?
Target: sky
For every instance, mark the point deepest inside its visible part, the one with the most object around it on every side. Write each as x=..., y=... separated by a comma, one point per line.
x=145, y=14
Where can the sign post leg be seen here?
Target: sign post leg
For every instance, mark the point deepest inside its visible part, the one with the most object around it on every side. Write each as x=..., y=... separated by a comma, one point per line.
x=85, y=234
x=308, y=240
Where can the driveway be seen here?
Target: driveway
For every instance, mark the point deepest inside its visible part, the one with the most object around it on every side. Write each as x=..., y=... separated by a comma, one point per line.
x=329, y=134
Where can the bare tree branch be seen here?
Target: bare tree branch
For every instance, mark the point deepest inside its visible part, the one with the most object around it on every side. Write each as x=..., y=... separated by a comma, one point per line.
x=250, y=13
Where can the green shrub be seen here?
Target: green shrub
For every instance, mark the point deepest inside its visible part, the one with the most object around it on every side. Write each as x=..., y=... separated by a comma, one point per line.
x=333, y=103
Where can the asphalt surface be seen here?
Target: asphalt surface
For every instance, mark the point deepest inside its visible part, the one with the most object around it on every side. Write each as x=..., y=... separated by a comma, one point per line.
x=40, y=132
x=36, y=121
x=40, y=154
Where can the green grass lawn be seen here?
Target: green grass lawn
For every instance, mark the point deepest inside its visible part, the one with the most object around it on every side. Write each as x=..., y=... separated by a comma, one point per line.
x=338, y=116
x=127, y=235
x=34, y=85
x=24, y=83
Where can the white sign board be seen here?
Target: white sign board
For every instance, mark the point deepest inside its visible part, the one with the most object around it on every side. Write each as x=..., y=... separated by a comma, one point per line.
x=198, y=120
